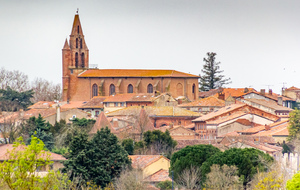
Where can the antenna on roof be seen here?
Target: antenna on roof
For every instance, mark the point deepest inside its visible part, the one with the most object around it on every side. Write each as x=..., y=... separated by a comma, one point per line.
x=77, y=11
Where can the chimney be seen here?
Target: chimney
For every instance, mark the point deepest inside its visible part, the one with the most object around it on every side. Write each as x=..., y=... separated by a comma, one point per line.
x=262, y=91
x=221, y=96
x=179, y=101
x=57, y=113
x=267, y=127
x=171, y=125
x=246, y=90
x=280, y=101
x=270, y=91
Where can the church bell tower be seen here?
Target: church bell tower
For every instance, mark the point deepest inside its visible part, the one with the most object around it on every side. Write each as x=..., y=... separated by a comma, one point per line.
x=75, y=58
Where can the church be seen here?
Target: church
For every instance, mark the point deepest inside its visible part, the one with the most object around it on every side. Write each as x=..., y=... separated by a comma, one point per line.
x=81, y=83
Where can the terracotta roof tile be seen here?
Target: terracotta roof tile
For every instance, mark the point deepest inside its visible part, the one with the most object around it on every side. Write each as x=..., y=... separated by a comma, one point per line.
x=155, y=111
x=42, y=105
x=9, y=147
x=205, y=102
x=101, y=122
x=142, y=161
x=160, y=175
x=264, y=139
x=227, y=118
x=133, y=73
x=269, y=104
x=211, y=92
x=95, y=102
x=272, y=130
x=72, y=104
x=236, y=92
x=293, y=88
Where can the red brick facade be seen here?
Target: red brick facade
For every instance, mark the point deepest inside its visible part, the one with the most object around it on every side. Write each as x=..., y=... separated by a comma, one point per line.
x=82, y=83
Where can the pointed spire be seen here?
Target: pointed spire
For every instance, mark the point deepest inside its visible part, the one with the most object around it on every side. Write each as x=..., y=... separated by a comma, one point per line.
x=76, y=29
x=101, y=122
x=66, y=46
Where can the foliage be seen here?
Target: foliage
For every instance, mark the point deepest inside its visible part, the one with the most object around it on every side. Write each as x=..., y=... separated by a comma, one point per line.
x=191, y=156
x=224, y=177
x=11, y=100
x=38, y=127
x=19, y=171
x=285, y=148
x=164, y=185
x=128, y=145
x=159, y=142
x=129, y=180
x=294, y=124
x=269, y=180
x=247, y=160
x=100, y=159
x=211, y=78
x=62, y=151
x=293, y=183
x=84, y=123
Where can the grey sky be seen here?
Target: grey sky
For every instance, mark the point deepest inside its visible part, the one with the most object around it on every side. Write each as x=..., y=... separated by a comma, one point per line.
x=256, y=41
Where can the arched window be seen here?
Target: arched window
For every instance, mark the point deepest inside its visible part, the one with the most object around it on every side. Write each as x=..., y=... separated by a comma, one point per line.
x=130, y=88
x=80, y=43
x=76, y=59
x=149, y=88
x=179, y=89
x=78, y=29
x=193, y=90
x=95, y=90
x=76, y=42
x=112, y=89
x=82, y=60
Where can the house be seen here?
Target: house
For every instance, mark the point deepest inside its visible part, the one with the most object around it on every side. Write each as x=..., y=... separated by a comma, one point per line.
x=204, y=105
x=208, y=124
x=55, y=158
x=292, y=92
x=81, y=83
x=120, y=101
x=180, y=132
x=94, y=106
x=159, y=116
x=231, y=124
x=151, y=165
x=268, y=106
x=271, y=96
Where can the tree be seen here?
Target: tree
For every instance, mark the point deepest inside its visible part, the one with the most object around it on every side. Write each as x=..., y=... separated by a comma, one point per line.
x=100, y=159
x=159, y=142
x=15, y=80
x=12, y=100
x=224, y=177
x=128, y=145
x=19, y=171
x=130, y=179
x=38, y=127
x=293, y=183
x=190, y=178
x=164, y=185
x=248, y=161
x=191, y=156
x=212, y=78
x=294, y=125
x=45, y=90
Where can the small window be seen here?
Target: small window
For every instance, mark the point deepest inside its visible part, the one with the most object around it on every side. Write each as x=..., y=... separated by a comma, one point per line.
x=96, y=113
x=116, y=104
x=150, y=88
x=76, y=60
x=130, y=88
x=112, y=89
x=95, y=90
x=76, y=42
x=71, y=71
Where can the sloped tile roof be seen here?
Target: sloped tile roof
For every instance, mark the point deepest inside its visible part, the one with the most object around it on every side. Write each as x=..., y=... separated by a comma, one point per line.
x=219, y=112
x=293, y=88
x=142, y=161
x=42, y=105
x=133, y=73
x=263, y=139
x=160, y=175
x=72, y=104
x=205, y=102
x=142, y=98
x=154, y=111
x=4, y=148
x=236, y=92
x=227, y=118
x=269, y=104
x=272, y=130
x=101, y=122
x=261, y=146
x=234, y=133
x=119, y=98
x=95, y=102
x=211, y=92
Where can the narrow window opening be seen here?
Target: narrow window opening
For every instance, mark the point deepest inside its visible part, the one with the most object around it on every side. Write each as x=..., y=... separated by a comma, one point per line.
x=95, y=90
x=76, y=42
x=80, y=43
x=76, y=60
x=82, y=60
x=78, y=29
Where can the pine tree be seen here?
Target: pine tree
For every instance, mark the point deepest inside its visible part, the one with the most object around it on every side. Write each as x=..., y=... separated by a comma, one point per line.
x=211, y=78
x=100, y=159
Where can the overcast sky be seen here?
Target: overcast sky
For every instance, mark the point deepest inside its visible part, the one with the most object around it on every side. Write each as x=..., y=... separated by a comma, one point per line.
x=256, y=41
